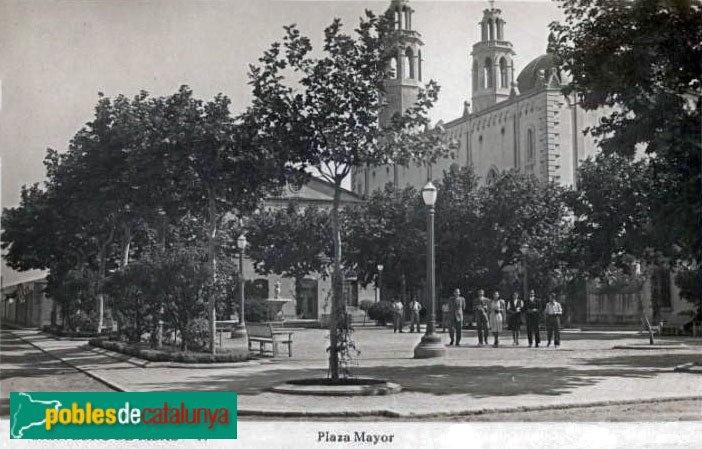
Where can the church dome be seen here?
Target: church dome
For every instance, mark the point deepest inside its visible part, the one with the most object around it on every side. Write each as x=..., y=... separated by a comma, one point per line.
x=529, y=77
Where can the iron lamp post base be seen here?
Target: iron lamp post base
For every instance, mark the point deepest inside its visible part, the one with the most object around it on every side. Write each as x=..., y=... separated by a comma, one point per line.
x=239, y=332
x=431, y=346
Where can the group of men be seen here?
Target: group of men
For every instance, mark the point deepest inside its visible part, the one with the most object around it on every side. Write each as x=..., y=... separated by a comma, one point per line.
x=490, y=315
x=398, y=313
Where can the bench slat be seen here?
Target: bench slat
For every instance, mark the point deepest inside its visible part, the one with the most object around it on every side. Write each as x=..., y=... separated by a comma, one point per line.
x=264, y=333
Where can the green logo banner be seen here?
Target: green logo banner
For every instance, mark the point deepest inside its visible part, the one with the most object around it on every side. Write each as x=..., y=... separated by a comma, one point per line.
x=104, y=416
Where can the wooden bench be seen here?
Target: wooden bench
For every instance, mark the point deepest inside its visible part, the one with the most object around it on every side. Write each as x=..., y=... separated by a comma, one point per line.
x=674, y=326
x=265, y=333
x=224, y=326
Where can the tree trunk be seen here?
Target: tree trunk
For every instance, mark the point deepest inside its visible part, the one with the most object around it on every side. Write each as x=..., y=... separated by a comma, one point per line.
x=403, y=287
x=101, y=277
x=126, y=243
x=163, y=229
x=211, y=254
x=336, y=305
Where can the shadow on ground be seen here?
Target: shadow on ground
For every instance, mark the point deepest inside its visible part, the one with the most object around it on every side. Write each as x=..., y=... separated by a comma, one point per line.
x=660, y=361
x=483, y=381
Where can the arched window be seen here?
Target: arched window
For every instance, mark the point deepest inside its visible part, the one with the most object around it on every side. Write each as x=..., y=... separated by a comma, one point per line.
x=408, y=24
x=393, y=68
x=531, y=145
x=500, y=30
x=487, y=74
x=409, y=64
x=483, y=31
x=475, y=76
x=504, y=77
x=398, y=24
x=491, y=25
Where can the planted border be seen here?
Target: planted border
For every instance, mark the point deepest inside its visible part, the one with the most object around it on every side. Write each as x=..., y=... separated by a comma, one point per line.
x=155, y=355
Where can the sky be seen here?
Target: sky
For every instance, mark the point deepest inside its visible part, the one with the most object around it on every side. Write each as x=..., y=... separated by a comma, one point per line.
x=55, y=56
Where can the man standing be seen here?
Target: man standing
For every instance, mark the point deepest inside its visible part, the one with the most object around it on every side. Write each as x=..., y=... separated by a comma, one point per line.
x=553, y=314
x=533, y=317
x=481, y=317
x=445, y=317
x=397, y=318
x=456, y=305
x=415, y=308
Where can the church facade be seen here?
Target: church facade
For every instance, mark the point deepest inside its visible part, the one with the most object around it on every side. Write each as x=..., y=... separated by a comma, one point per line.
x=521, y=123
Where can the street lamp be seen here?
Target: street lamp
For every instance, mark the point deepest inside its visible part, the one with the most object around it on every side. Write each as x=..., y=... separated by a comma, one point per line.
x=241, y=331
x=430, y=345
x=525, y=250
x=380, y=281
x=636, y=269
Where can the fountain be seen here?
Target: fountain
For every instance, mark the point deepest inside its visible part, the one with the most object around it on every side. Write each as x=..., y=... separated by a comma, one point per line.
x=275, y=305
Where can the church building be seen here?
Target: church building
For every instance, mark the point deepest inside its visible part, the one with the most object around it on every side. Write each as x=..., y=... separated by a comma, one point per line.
x=524, y=124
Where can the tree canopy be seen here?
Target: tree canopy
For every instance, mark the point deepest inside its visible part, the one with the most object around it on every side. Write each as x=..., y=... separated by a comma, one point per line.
x=326, y=109
x=638, y=63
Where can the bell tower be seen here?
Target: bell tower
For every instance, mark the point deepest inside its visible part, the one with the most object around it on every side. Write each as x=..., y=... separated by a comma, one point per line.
x=405, y=65
x=493, y=70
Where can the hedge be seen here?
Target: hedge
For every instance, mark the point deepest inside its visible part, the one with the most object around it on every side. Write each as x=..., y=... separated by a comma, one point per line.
x=155, y=355
x=59, y=332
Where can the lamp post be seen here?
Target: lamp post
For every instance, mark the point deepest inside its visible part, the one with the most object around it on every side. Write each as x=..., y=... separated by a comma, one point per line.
x=241, y=331
x=430, y=345
x=639, y=281
x=525, y=251
x=380, y=281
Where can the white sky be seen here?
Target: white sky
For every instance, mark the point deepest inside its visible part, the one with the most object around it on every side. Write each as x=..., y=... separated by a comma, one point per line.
x=55, y=56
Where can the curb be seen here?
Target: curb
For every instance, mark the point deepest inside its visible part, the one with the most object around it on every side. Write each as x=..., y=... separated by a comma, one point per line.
x=99, y=378
x=380, y=388
x=143, y=363
x=484, y=411
x=646, y=347
x=691, y=367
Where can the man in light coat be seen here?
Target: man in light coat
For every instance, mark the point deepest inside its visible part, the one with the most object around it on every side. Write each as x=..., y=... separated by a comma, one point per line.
x=457, y=305
x=397, y=315
x=415, y=307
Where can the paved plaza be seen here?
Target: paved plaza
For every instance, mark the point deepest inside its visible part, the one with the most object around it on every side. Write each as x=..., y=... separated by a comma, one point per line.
x=586, y=370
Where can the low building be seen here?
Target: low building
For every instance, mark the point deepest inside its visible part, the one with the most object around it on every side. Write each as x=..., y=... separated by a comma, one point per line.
x=311, y=295
x=25, y=304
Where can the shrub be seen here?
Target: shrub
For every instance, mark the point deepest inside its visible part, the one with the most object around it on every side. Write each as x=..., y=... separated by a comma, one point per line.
x=155, y=355
x=61, y=332
x=381, y=312
x=365, y=305
x=256, y=310
x=197, y=333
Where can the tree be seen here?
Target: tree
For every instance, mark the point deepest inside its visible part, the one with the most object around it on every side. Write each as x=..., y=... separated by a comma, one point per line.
x=292, y=242
x=517, y=209
x=327, y=114
x=457, y=220
x=639, y=63
x=135, y=302
x=480, y=233
x=219, y=168
x=142, y=168
x=388, y=229
x=612, y=214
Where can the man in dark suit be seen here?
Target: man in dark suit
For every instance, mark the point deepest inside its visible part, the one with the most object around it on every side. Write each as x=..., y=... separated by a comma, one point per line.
x=457, y=304
x=532, y=306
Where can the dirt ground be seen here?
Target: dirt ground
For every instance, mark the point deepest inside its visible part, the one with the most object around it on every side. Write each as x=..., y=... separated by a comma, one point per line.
x=687, y=410
x=682, y=410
